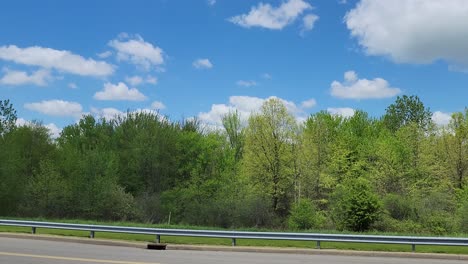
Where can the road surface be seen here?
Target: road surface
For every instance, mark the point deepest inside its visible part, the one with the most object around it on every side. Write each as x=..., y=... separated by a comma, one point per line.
x=24, y=251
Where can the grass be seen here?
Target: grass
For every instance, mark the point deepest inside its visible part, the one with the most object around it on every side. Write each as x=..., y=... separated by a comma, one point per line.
x=227, y=242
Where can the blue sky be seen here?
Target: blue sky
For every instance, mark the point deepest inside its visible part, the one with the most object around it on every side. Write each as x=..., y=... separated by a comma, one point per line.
x=62, y=59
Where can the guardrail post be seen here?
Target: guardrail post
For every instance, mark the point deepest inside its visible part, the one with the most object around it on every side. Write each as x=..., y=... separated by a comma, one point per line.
x=91, y=234
x=413, y=247
x=233, y=242
x=318, y=244
x=158, y=239
x=33, y=231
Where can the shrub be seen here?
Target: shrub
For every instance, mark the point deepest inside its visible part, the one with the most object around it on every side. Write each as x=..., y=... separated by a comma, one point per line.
x=304, y=215
x=463, y=212
x=354, y=205
x=398, y=207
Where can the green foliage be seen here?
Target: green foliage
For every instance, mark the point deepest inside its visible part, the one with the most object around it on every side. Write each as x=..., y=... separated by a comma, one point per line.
x=399, y=207
x=304, y=215
x=407, y=110
x=7, y=116
x=355, y=207
x=269, y=172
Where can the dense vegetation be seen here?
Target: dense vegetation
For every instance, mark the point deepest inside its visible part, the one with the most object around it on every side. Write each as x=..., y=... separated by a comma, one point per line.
x=397, y=173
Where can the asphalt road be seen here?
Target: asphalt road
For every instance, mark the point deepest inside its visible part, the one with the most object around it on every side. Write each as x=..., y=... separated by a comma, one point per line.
x=24, y=251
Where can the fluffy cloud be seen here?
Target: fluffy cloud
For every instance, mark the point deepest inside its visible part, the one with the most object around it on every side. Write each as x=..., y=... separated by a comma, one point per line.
x=245, y=106
x=137, y=80
x=54, y=130
x=134, y=80
x=266, y=16
x=441, y=118
x=137, y=51
x=308, y=103
x=158, y=105
x=105, y=54
x=72, y=86
x=107, y=113
x=412, y=31
x=202, y=64
x=344, y=112
x=39, y=77
x=61, y=60
x=211, y=2
x=246, y=83
x=354, y=88
x=56, y=108
x=308, y=22
x=119, y=91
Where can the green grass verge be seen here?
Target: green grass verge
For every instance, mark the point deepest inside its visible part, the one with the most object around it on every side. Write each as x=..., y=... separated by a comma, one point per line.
x=227, y=242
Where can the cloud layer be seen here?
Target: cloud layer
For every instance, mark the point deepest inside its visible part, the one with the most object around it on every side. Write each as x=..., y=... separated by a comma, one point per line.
x=246, y=105
x=412, y=31
x=61, y=60
x=39, y=77
x=354, y=88
x=202, y=64
x=119, y=92
x=137, y=51
x=56, y=108
x=276, y=18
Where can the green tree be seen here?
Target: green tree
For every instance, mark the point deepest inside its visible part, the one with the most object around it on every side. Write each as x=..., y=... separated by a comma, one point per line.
x=319, y=135
x=268, y=153
x=7, y=116
x=456, y=147
x=406, y=110
x=355, y=206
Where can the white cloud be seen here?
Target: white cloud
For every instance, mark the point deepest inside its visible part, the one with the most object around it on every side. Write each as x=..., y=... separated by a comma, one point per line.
x=137, y=51
x=56, y=108
x=211, y=2
x=309, y=22
x=134, y=80
x=107, y=113
x=158, y=105
x=441, y=118
x=245, y=106
x=39, y=77
x=412, y=31
x=202, y=64
x=119, y=91
x=54, y=130
x=344, y=112
x=137, y=80
x=308, y=103
x=105, y=54
x=266, y=16
x=354, y=88
x=72, y=86
x=246, y=83
x=60, y=60
x=151, y=79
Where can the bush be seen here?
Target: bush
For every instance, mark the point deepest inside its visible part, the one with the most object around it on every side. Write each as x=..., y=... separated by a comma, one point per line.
x=304, y=215
x=463, y=212
x=354, y=206
x=399, y=207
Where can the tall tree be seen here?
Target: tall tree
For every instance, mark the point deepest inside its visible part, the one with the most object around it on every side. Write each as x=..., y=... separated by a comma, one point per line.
x=268, y=153
x=406, y=110
x=456, y=146
x=7, y=116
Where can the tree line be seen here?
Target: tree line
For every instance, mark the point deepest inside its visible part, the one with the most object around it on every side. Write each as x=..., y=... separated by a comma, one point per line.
x=396, y=173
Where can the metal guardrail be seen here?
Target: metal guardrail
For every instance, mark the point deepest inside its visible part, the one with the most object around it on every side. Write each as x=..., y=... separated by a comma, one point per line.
x=233, y=235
